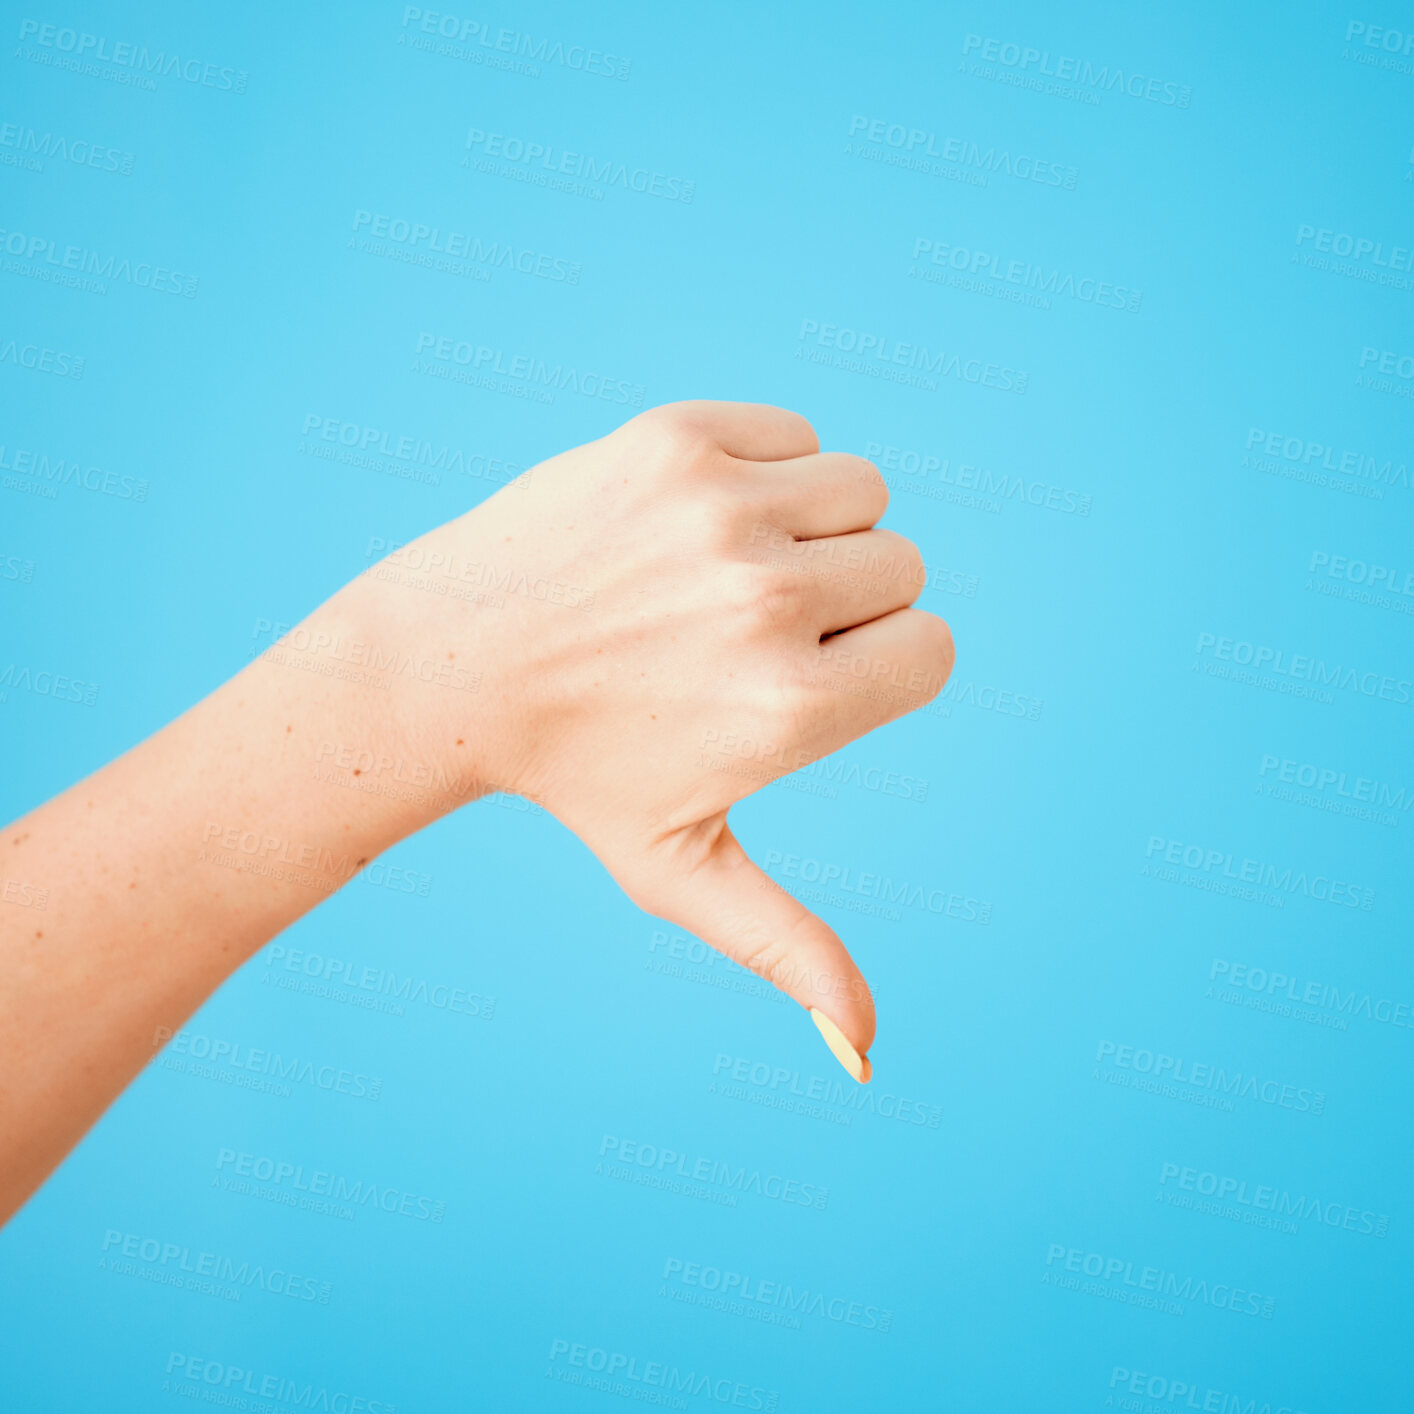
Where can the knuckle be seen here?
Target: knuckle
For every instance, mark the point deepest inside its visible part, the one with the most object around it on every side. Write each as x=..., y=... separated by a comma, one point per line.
x=716, y=515
x=809, y=438
x=934, y=646
x=765, y=538
x=867, y=472
x=671, y=433
x=872, y=479
x=767, y=599
x=907, y=554
x=790, y=712
x=769, y=962
x=665, y=416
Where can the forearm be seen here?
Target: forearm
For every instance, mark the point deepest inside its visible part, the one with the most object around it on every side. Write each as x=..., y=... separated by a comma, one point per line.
x=164, y=871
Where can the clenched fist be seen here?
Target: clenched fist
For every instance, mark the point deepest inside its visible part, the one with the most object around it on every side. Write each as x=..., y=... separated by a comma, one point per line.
x=701, y=573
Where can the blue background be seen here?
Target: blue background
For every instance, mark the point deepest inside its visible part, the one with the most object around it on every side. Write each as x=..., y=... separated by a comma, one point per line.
x=1092, y=711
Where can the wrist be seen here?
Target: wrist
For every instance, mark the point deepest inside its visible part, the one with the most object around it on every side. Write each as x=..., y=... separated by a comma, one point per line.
x=447, y=682
x=352, y=716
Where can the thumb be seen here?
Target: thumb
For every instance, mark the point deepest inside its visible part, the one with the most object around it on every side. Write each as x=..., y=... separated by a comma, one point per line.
x=702, y=880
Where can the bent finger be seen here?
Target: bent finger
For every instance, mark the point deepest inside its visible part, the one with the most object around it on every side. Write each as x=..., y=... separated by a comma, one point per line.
x=829, y=493
x=747, y=431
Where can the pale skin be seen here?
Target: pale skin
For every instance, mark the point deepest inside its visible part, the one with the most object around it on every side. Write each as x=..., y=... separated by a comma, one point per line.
x=692, y=606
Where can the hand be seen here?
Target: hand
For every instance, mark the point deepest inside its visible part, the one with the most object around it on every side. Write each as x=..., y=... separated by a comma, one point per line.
x=703, y=574
x=589, y=637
